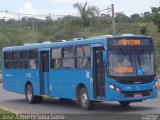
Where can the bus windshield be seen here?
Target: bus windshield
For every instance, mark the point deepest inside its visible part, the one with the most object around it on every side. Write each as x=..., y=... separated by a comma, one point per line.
x=131, y=62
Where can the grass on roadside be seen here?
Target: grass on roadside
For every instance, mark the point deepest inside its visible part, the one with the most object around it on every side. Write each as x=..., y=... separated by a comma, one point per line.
x=5, y=115
x=2, y=111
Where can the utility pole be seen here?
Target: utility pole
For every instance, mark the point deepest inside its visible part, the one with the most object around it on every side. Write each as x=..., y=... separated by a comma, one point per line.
x=113, y=20
x=33, y=24
x=33, y=29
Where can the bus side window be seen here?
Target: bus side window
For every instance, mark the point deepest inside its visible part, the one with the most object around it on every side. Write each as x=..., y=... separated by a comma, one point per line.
x=68, y=57
x=56, y=59
x=24, y=62
x=8, y=60
x=33, y=59
x=16, y=60
x=83, y=57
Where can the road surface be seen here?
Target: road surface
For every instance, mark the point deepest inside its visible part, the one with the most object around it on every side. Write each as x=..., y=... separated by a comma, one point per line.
x=17, y=103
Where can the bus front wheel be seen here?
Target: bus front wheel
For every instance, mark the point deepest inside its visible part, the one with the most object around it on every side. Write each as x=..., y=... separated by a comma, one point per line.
x=31, y=98
x=85, y=103
x=124, y=103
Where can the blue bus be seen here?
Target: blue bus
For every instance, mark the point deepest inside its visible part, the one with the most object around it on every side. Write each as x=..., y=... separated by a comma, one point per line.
x=105, y=68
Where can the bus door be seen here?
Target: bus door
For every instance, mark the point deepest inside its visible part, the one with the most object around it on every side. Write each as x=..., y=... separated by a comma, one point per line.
x=98, y=73
x=44, y=75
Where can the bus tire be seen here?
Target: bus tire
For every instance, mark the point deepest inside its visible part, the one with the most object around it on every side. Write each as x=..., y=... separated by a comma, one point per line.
x=124, y=103
x=39, y=99
x=85, y=103
x=30, y=94
x=64, y=99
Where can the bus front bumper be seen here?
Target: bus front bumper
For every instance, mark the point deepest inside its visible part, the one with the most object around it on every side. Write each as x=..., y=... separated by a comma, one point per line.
x=131, y=93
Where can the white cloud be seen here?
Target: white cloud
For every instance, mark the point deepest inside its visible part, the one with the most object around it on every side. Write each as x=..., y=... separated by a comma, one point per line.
x=138, y=6
x=5, y=16
x=65, y=7
x=64, y=1
x=71, y=2
x=27, y=8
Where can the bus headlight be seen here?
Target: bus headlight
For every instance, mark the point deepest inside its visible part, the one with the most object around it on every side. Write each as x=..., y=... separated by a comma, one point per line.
x=111, y=86
x=117, y=90
x=114, y=88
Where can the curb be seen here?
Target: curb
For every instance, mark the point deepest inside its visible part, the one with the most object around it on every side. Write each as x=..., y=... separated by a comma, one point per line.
x=9, y=110
x=15, y=111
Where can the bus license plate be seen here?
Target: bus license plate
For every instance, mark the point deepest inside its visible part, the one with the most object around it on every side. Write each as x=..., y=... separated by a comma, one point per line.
x=137, y=95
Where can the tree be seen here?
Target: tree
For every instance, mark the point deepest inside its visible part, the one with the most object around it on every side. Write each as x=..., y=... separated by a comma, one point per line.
x=142, y=29
x=121, y=17
x=86, y=12
x=156, y=16
x=147, y=17
x=135, y=17
x=48, y=19
x=72, y=26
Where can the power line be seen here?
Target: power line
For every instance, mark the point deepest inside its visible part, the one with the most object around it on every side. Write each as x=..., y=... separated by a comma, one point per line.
x=34, y=15
x=110, y=9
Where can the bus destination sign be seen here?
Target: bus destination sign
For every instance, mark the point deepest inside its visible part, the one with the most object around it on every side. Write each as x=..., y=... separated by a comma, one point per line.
x=130, y=42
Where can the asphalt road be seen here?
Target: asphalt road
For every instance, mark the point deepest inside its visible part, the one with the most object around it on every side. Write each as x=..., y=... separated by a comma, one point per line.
x=17, y=103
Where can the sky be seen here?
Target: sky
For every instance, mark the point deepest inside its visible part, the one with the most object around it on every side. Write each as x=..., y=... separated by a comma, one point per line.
x=65, y=7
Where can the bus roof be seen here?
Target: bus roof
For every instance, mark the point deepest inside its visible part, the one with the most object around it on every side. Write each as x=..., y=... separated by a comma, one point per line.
x=57, y=44
x=91, y=40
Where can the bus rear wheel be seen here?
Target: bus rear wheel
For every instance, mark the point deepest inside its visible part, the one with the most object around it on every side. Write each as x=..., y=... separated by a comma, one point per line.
x=124, y=103
x=85, y=103
x=31, y=98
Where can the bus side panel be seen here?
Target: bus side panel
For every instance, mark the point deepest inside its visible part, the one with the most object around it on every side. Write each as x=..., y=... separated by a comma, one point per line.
x=65, y=82
x=9, y=82
x=31, y=76
x=15, y=80
x=20, y=78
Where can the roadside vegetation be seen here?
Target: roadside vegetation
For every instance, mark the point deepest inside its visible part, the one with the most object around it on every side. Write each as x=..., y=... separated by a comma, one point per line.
x=7, y=115
x=91, y=22
x=2, y=111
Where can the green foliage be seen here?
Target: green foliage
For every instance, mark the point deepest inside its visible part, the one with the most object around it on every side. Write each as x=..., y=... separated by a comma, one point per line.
x=156, y=16
x=10, y=115
x=142, y=29
x=121, y=18
x=86, y=12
